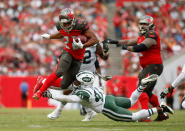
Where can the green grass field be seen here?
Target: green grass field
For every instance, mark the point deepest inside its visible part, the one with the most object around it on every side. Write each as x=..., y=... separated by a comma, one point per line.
x=36, y=120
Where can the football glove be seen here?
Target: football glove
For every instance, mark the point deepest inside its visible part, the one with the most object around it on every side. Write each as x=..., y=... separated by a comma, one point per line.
x=46, y=36
x=124, y=47
x=77, y=45
x=47, y=94
x=166, y=91
x=105, y=47
x=110, y=41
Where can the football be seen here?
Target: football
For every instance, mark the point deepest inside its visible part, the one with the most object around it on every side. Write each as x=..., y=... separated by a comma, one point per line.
x=83, y=38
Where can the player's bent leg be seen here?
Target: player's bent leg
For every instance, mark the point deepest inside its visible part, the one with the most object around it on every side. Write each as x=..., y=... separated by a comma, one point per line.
x=115, y=112
x=69, y=77
x=57, y=112
x=38, y=84
x=90, y=114
x=144, y=99
x=154, y=100
x=143, y=114
x=64, y=63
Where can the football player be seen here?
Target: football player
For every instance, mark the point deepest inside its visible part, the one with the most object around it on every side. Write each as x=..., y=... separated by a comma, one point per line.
x=177, y=82
x=116, y=108
x=148, y=46
x=68, y=27
x=88, y=64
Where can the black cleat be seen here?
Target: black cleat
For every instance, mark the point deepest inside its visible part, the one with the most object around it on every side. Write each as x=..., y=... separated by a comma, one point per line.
x=166, y=108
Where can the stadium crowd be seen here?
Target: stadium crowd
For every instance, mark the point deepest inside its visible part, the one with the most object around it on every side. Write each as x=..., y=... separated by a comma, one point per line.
x=22, y=52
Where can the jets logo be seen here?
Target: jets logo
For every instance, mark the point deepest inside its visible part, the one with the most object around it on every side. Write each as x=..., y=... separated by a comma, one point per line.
x=86, y=79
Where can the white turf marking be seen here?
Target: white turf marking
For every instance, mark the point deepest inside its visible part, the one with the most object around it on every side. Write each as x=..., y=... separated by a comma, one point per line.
x=35, y=126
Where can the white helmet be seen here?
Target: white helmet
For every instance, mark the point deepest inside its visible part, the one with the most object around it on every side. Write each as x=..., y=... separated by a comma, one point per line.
x=145, y=20
x=85, y=78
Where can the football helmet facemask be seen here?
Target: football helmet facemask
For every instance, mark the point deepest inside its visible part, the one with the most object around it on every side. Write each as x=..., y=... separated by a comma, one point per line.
x=86, y=78
x=145, y=24
x=67, y=19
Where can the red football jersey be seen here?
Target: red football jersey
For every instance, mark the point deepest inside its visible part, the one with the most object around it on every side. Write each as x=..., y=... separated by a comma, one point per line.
x=81, y=25
x=153, y=54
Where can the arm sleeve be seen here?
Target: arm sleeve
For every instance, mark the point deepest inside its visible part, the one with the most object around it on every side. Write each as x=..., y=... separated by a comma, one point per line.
x=139, y=48
x=67, y=98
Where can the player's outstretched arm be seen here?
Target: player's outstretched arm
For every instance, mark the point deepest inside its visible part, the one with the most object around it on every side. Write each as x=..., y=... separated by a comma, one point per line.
x=102, y=52
x=127, y=42
x=52, y=36
x=92, y=39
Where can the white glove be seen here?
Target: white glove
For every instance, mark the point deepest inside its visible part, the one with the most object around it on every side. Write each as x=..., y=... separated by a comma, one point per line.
x=46, y=36
x=77, y=45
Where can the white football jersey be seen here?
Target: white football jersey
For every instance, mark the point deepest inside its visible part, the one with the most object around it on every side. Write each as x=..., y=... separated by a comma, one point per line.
x=92, y=97
x=89, y=59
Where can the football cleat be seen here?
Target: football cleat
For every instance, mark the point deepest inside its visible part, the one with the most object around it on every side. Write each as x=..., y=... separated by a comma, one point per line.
x=38, y=84
x=55, y=114
x=89, y=116
x=149, y=79
x=37, y=95
x=166, y=108
x=162, y=116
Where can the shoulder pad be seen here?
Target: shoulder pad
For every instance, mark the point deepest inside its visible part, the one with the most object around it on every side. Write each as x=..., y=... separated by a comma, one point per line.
x=84, y=95
x=151, y=34
x=58, y=26
x=81, y=24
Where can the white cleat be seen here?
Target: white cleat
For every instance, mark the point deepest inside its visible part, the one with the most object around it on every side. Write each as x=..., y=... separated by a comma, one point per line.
x=54, y=115
x=149, y=79
x=89, y=116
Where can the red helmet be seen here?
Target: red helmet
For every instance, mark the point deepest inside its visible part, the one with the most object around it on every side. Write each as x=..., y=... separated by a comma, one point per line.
x=67, y=19
x=149, y=25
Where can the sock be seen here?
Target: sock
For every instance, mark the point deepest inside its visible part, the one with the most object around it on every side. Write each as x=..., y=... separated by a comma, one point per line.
x=59, y=107
x=140, y=88
x=52, y=77
x=135, y=95
x=143, y=114
x=179, y=80
x=56, y=83
x=144, y=99
x=154, y=101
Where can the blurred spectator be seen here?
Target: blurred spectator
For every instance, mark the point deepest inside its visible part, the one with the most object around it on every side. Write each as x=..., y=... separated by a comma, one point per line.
x=24, y=87
x=117, y=24
x=116, y=87
x=22, y=52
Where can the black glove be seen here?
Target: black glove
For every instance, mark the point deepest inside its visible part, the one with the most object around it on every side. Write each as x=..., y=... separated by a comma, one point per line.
x=166, y=91
x=110, y=41
x=105, y=47
x=47, y=94
x=124, y=47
